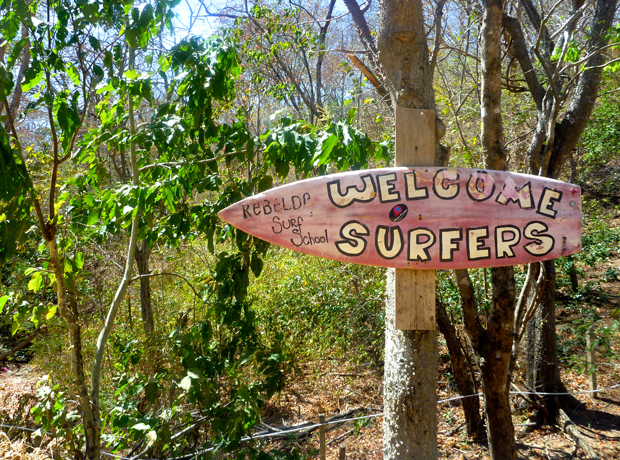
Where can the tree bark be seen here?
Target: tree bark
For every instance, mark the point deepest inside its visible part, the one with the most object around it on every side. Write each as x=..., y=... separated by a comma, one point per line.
x=494, y=346
x=541, y=353
x=574, y=122
x=91, y=428
x=541, y=344
x=143, y=254
x=17, y=94
x=123, y=285
x=410, y=421
x=321, y=55
x=464, y=380
x=495, y=356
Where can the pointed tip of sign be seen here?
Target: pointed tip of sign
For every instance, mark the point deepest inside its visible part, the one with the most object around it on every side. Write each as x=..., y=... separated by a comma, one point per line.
x=222, y=215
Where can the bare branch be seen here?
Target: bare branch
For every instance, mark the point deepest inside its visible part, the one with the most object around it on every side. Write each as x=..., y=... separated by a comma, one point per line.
x=368, y=74
x=438, y=16
x=151, y=275
x=22, y=344
x=570, y=21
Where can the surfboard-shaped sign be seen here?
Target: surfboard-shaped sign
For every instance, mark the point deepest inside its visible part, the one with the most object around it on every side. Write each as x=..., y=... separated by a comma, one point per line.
x=422, y=217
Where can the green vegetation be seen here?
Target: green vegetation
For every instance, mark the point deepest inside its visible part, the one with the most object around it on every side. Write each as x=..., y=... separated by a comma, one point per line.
x=322, y=308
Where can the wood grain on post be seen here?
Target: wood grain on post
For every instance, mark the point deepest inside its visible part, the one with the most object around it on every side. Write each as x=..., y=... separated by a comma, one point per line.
x=415, y=289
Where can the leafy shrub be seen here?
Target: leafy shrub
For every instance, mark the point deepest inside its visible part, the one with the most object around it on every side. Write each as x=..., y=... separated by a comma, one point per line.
x=57, y=418
x=323, y=308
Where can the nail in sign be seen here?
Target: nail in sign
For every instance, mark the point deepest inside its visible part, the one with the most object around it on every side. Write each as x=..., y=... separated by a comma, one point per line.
x=423, y=217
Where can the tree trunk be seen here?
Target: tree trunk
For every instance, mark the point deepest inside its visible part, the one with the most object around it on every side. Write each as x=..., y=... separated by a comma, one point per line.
x=143, y=254
x=541, y=352
x=493, y=346
x=464, y=380
x=541, y=331
x=410, y=369
x=68, y=313
x=104, y=335
x=410, y=421
x=494, y=362
x=17, y=94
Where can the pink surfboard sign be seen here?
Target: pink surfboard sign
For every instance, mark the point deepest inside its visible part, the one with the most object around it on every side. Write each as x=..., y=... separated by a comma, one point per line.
x=422, y=217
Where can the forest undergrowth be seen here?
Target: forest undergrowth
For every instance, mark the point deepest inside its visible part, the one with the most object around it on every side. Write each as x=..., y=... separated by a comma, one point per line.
x=327, y=318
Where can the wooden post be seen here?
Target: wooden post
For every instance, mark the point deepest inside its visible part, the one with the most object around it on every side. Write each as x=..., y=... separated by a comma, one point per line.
x=322, y=437
x=415, y=289
x=591, y=362
x=342, y=452
x=410, y=421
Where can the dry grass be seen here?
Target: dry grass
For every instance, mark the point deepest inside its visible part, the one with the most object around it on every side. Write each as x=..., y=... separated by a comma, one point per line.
x=19, y=450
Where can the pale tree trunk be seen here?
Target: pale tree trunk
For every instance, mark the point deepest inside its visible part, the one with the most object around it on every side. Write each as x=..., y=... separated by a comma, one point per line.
x=410, y=374
x=17, y=95
x=143, y=254
x=122, y=288
x=410, y=420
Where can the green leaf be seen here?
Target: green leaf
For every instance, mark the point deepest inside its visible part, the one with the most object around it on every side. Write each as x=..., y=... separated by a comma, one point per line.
x=246, y=355
x=108, y=60
x=150, y=392
x=327, y=146
x=186, y=383
x=30, y=83
x=36, y=282
x=17, y=49
x=141, y=427
x=265, y=183
x=67, y=114
x=15, y=326
x=51, y=311
x=3, y=301
x=94, y=43
x=256, y=264
x=6, y=81
x=131, y=74
x=73, y=74
x=79, y=260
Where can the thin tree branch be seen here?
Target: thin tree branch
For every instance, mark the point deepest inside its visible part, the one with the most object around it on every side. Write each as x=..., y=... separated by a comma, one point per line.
x=571, y=20
x=520, y=52
x=151, y=275
x=181, y=163
x=438, y=16
x=22, y=344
